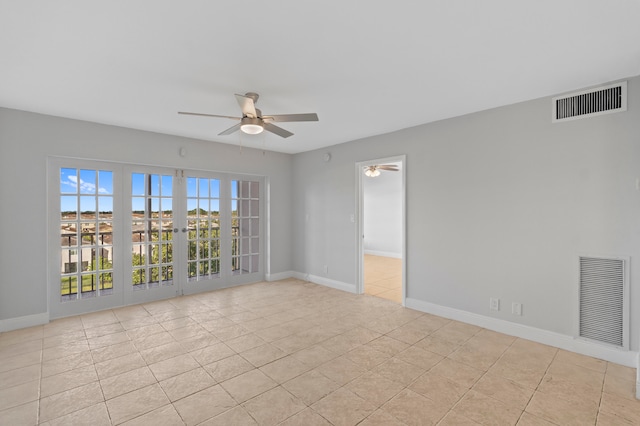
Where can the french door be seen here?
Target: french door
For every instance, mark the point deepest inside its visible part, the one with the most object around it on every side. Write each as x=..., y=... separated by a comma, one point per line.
x=124, y=234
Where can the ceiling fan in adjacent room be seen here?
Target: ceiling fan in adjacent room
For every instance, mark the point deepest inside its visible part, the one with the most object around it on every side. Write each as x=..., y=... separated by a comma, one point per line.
x=374, y=170
x=253, y=122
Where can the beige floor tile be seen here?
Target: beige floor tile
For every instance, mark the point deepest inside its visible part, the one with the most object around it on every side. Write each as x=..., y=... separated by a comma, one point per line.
x=387, y=345
x=20, y=361
x=94, y=415
x=381, y=418
x=67, y=363
x=457, y=372
x=63, y=339
x=120, y=365
x=103, y=330
x=341, y=370
x=439, y=389
x=185, y=384
x=212, y=353
x=173, y=366
x=504, y=390
x=454, y=419
x=263, y=354
x=126, y=382
x=414, y=409
x=399, y=371
x=67, y=380
x=237, y=416
x=419, y=357
x=113, y=351
x=19, y=376
x=163, y=416
x=621, y=407
x=343, y=408
x=560, y=411
x=20, y=348
x=314, y=356
x=248, y=385
x=318, y=339
x=594, y=364
x=273, y=406
x=486, y=410
x=311, y=386
x=528, y=419
x=284, y=369
x=133, y=404
x=25, y=414
x=374, y=388
x=228, y=368
x=367, y=357
x=67, y=402
x=306, y=417
x=162, y=352
x=204, y=405
x=624, y=387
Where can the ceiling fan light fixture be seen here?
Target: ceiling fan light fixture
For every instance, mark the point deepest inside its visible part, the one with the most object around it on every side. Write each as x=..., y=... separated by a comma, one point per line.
x=251, y=126
x=372, y=171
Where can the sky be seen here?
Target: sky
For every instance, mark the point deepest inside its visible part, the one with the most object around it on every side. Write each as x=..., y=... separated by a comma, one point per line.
x=97, y=186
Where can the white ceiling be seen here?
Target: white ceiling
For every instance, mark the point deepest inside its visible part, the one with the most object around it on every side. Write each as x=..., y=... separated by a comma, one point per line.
x=366, y=67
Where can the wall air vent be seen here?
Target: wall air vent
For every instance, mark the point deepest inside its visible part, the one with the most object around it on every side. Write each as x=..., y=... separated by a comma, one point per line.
x=587, y=103
x=603, y=300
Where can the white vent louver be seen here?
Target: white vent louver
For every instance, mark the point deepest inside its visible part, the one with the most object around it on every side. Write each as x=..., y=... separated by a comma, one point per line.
x=603, y=312
x=598, y=101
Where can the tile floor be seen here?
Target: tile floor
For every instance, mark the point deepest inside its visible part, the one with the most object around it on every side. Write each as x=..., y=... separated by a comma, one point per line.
x=383, y=277
x=295, y=353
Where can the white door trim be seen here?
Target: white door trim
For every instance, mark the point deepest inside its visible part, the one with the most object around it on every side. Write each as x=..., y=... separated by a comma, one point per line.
x=360, y=220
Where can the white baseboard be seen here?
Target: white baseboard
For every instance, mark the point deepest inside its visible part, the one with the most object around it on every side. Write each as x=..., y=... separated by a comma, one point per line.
x=338, y=285
x=562, y=341
x=638, y=378
x=384, y=253
x=279, y=276
x=24, y=322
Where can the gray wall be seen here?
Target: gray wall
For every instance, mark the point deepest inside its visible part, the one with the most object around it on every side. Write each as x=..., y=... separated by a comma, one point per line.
x=500, y=203
x=26, y=140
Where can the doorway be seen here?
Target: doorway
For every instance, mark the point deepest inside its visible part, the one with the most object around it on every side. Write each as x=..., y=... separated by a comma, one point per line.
x=381, y=228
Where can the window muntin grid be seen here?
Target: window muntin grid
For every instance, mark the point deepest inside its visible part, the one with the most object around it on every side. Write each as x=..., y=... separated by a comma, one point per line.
x=203, y=228
x=151, y=230
x=86, y=233
x=245, y=227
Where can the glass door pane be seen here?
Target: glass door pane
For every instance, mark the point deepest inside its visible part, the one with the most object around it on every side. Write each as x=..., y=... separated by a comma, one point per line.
x=203, y=229
x=86, y=233
x=245, y=227
x=152, y=230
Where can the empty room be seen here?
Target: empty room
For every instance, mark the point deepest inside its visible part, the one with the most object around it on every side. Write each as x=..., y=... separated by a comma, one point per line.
x=332, y=213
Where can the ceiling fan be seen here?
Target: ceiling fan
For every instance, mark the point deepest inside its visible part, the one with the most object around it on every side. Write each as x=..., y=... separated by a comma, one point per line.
x=374, y=170
x=253, y=122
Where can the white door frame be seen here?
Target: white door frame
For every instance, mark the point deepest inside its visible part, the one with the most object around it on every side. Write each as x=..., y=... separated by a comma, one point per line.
x=360, y=222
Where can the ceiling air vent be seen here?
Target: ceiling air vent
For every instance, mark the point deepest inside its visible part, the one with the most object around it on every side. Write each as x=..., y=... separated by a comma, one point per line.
x=603, y=304
x=598, y=101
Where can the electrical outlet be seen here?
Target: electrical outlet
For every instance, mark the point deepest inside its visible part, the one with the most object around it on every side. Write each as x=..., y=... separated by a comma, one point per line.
x=494, y=304
x=516, y=308
x=325, y=269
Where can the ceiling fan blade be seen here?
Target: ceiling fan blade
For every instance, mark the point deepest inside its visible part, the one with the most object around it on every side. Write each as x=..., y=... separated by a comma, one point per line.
x=389, y=168
x=277, y=130
x=230, y=130
x=247, y=106
x=208, y=115
x=292, y=117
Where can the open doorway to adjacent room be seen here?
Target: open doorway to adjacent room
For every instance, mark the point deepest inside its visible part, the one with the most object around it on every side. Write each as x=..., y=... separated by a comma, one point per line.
x=381, y=237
